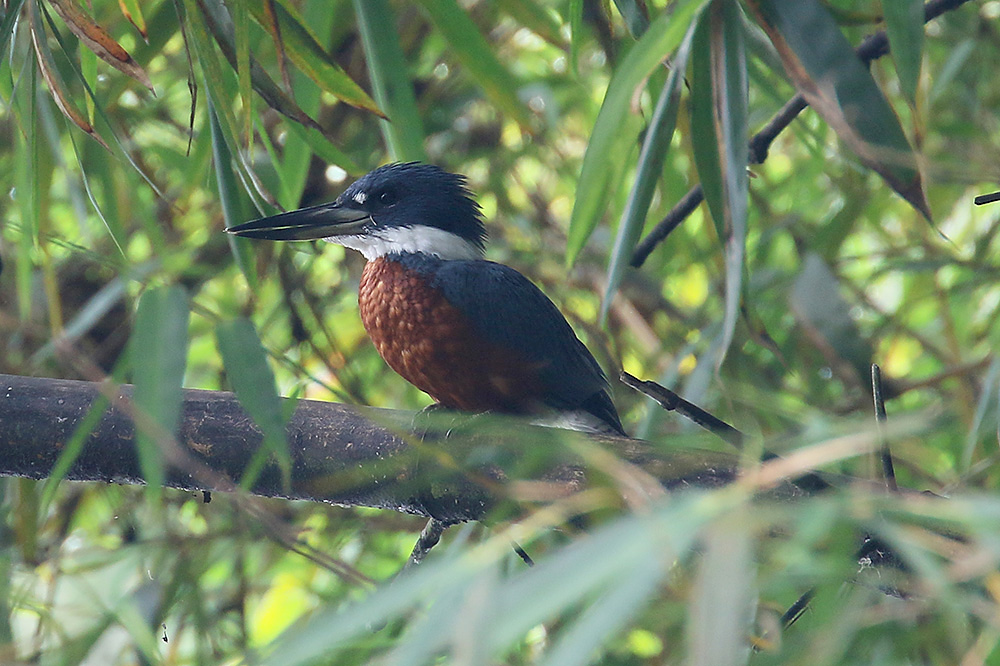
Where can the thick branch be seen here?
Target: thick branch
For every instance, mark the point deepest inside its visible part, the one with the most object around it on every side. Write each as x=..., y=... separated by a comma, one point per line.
x=345, y=455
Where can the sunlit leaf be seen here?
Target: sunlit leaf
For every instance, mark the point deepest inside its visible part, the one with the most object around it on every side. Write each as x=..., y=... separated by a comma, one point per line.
x=302, y=49
x=607, y=140
x=651, y=159
x=478, y=58
x=132, y=11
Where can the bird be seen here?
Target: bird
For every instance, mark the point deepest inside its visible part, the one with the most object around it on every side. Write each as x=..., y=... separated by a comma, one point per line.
x=475, y=335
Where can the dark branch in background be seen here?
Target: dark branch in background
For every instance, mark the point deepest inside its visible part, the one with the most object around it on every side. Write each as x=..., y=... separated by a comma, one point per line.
x=344, y=455
x=872, y=48
x=888, y=471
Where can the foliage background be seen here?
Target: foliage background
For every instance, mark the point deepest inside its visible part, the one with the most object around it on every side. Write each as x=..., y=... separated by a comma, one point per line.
x=838, y=272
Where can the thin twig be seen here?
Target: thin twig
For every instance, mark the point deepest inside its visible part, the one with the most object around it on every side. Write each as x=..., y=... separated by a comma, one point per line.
x=673, y=402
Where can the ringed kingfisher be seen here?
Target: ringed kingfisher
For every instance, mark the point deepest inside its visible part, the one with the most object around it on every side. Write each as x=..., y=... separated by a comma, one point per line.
x=475, y=335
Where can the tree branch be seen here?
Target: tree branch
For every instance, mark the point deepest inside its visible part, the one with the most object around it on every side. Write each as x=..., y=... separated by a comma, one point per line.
x=340, y=454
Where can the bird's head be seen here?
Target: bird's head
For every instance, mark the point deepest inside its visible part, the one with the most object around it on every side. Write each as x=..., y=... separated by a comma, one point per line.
x=411, y=207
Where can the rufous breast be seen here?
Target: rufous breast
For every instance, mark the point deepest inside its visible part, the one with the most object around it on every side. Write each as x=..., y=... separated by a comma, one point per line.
x=435, y=347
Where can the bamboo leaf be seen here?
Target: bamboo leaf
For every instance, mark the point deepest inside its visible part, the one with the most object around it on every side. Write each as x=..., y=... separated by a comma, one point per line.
x=834, y=81
x=297, y=43
x=651, y=159
x=99, y=41
x=608, y=141
x=536, y=17
x=904, y=25
x=478, y=58
x=158, y=351
x=132, y=11
x=253, y=381
x=49, y=71
x=403, y=131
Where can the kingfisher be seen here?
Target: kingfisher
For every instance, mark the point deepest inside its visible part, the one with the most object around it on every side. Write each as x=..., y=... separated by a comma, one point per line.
x=475, y=335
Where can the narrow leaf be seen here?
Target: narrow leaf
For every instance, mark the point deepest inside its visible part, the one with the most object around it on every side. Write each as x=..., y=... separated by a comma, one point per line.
x=536, y=17
x=220, y=24
x=651, y=159
x=49, y=71
x=904, y=25
x=403, y=131
x=836, y=83
x=295, y=41
x=253, y=381
x=636, y=18
x=132, y=11
x=158, y=351
x=478, y=57
x=607, y=140
x=99, y=41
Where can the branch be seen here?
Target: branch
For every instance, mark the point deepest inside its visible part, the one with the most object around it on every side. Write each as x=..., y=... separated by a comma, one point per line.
x=351, y=456
x=873, y=48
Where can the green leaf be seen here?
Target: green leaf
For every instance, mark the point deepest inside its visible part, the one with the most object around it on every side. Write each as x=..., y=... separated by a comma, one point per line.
x=634, y=13
x=253, y=381
x=651, y=159
x=719, y=139
x=535, y=16
x=158, y=352
x=904, y=25
x=607, y=140
x=231, y=198
x=478, y=57
x=403, y=131
x=312, y=60
x=840, y=88
x=723, y=599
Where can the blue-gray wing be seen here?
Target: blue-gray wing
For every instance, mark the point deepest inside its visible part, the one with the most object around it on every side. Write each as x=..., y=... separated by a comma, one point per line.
x=512, y=312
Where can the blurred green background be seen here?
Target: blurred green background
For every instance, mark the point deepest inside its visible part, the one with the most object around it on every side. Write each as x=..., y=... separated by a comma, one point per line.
x=768, y=311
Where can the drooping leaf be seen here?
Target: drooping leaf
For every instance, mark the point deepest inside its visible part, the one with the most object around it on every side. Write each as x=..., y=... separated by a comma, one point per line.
x=158, y=352
x=50, y=72
x=132, y=11
x=99, y=41
x=253, y=381
x=904, y=25
x=297, y=43
x=607, y=140
x=478, y=58
x=840, y=88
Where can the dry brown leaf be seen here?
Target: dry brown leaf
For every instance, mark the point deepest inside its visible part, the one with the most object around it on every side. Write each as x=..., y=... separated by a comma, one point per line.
x=99, y=41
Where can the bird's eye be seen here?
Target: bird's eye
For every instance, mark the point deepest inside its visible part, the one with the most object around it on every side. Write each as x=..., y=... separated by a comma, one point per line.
x=387, y=198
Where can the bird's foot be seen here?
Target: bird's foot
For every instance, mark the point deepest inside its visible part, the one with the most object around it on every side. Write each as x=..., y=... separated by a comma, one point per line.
x=440, y=421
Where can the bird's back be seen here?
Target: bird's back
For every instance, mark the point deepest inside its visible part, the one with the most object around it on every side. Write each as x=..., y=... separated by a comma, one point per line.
x=479, y=336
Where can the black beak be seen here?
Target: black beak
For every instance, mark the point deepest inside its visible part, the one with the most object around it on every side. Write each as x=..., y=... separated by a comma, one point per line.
x=332, y=219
